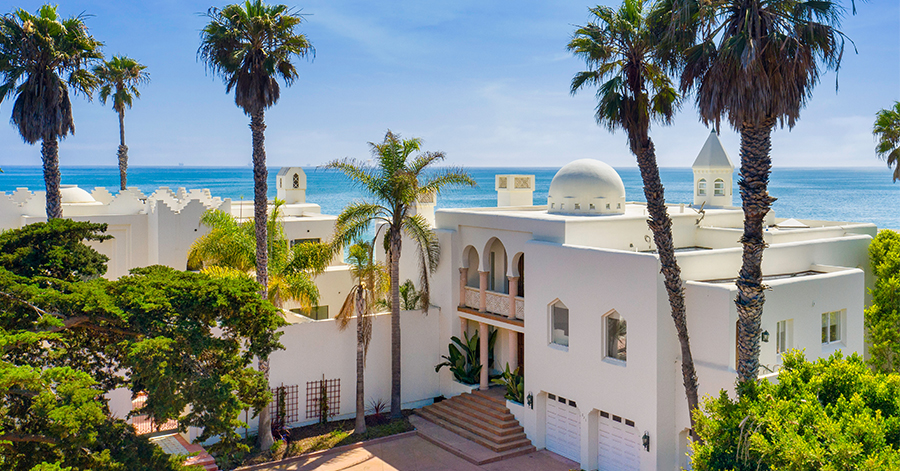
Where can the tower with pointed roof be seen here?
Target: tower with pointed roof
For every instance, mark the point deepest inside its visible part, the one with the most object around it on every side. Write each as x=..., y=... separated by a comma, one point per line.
x=713, y=172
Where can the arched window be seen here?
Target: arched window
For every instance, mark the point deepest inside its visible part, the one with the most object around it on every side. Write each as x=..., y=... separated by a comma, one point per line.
x=559, y=324
x=296, y=181
x=616, y=336
x=719, y=187
x=701, y=187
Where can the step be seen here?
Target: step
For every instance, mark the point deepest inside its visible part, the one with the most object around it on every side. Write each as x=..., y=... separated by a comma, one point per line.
x=455, y=415
x=485, y=407
x=466, y=408
x=464, y=448
x=498, y=399
x=486, y=402
x=514, y=442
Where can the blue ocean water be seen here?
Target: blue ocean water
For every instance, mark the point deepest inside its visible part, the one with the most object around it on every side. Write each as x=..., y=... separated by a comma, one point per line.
x=835, y=194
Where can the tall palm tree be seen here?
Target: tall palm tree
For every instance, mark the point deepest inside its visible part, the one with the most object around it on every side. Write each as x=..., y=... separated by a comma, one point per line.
x=619, y=49
x=250, y=46
x=119, y=79
x=887, y=133
x=229, y=249
x=394, y=183
x=363, y=297
x=754, y=63
x=41, y=57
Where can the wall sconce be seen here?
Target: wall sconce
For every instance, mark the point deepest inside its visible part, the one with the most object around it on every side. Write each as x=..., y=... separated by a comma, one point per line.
x=530, y=400
x=645, y=440
x=765, y=336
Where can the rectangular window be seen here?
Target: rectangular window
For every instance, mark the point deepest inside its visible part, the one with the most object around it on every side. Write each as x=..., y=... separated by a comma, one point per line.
x=560, y=325
x=719, y=188
x=615, y=337
x=784, y=336
x=831, y=327
x=305, y=241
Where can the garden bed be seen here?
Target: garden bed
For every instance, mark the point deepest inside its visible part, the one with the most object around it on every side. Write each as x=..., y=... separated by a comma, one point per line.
x=317, y=437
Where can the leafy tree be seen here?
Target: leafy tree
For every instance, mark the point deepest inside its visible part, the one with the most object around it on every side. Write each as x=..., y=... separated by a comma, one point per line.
x=54, y=249
x=371, y=281
x=620, y=49
x=186, y=339
x=755, y=64
x=119, y=80
x=409, y=298
x=394, y=183
x=250, y=46
x=228, y=250
x=883, y=315
x=829, y=414
x=887, y=133
x=35, y=50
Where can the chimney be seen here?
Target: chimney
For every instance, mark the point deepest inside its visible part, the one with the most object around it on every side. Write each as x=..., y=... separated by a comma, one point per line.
x=514, y=190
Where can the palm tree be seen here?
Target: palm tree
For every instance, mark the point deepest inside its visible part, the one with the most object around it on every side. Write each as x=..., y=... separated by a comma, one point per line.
x=754, y=63
x=619, y=49
x=394, y=182
x=887, y=132
x=250, y=46
x=228, y=249
x=119, y=79
x=35, y=51
x=363, y=296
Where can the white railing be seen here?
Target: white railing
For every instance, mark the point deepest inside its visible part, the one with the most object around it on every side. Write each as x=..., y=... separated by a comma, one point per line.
x=473, y=297
x=498, y=303
x=520, y=307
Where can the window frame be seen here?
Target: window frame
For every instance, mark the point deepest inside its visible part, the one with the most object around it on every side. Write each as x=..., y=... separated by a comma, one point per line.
x=839, y=327
x=607, y=337
x=719, y=187
x=701, y=187
x=784, y=336
x=552, y=340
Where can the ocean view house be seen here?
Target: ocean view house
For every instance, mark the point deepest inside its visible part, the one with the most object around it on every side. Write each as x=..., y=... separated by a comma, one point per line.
x=572, y=289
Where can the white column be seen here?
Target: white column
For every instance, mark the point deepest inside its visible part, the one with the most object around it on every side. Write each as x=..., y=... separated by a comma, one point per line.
x=463, y=279
x=482, y=290
x=513, y=292
x=483, y=352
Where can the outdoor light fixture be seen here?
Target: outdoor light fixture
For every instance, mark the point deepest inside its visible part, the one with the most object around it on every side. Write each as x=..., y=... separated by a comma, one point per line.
x=765, y=336
x=530, y=400
x=646, y=440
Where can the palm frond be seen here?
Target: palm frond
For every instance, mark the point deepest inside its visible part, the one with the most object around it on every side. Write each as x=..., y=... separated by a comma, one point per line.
x=428, y=251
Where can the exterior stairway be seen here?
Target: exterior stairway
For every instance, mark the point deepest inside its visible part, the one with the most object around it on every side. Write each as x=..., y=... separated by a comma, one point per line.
x=483, y=418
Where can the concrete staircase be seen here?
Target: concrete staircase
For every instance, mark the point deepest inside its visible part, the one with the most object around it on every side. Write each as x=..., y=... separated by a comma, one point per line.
x=481, y=417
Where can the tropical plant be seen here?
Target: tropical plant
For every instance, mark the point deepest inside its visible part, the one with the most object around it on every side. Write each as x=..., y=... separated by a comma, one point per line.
x=464, y=358
x=394, y=182
x=883, y=315
x=250, y=46
x=228, y=250
x=620, y=50
x=755, y=64
x=371, y=281
x=833, y=413
x=409, y=297
x=119, y=80
x=514, y=383
x=887, y=134
x=35, y=50
x=377, y=408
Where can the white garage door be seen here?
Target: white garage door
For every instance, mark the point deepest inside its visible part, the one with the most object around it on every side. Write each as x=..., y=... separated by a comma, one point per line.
x=619, y=447
x=563, y=427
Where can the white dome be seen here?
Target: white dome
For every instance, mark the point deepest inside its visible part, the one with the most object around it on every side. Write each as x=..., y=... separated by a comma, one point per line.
x=71, y=194
x=586, y=186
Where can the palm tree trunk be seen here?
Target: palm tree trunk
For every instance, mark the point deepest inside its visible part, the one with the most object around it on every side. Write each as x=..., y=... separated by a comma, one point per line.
x=260, y=216
x=50, y=158
x=756, y=163
x=123, y=152
x=360, y=364
x=661, y=227
x=395, y=320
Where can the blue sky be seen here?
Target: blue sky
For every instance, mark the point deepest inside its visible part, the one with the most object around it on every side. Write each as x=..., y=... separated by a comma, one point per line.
x=486, y=82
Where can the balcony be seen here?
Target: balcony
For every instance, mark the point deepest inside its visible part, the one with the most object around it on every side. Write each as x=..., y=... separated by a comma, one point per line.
x=496, y=303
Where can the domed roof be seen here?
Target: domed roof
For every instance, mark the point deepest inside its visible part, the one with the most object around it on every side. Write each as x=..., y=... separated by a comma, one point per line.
x=586, y=186
x=71, y=194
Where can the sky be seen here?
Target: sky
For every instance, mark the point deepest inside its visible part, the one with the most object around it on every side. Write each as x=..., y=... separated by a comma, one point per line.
x=487, y=82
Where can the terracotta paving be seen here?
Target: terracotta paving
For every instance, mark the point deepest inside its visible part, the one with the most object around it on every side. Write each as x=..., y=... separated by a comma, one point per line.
x=413, y=453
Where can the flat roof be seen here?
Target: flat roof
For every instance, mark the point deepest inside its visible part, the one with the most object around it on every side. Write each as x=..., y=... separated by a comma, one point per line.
x=769, y=277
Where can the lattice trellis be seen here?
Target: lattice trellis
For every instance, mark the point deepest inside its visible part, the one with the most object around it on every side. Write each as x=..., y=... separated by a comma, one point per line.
x=501, y=182
x=314, y=396
x=520, y=308
x=523, y=182
x=472, y=297
x=497, y=303
x=291, y=403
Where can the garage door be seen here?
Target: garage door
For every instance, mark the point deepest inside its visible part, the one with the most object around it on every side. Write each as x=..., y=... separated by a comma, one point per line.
x=563, y=427
x=619, y=447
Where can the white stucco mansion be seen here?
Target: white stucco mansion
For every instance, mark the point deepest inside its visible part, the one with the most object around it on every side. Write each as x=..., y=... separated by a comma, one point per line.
x=561, y=282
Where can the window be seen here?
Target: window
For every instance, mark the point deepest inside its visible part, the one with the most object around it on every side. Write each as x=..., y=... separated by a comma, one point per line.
x=592, y=207
x=305, y=241
x=577, y=206
x=701, y=187
x=607, y=205
x=615, y=337
x=784, y=336
x=559, y=324
x=296, y=180
x=831, y=327
x=719, y=187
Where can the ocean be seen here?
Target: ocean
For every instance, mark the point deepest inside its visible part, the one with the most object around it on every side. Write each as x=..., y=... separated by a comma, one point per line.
x=834, y=194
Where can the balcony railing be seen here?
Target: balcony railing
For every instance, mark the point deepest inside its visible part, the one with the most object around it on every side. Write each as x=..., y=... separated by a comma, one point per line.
x=497, y=303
